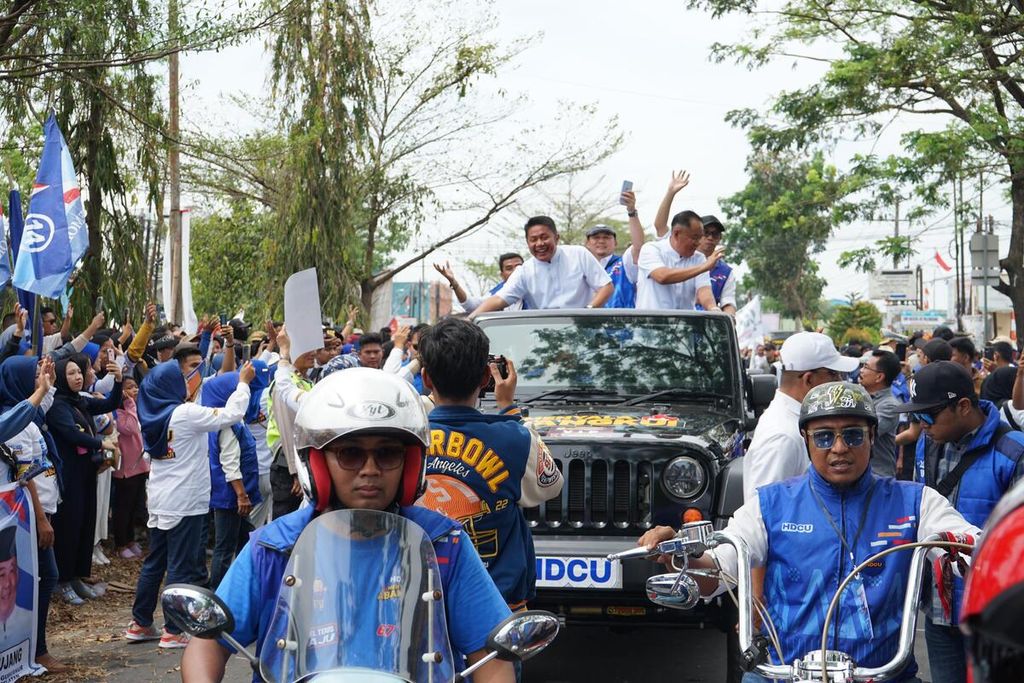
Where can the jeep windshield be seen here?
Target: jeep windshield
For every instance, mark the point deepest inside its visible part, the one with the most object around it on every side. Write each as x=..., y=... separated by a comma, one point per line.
x=683, y=356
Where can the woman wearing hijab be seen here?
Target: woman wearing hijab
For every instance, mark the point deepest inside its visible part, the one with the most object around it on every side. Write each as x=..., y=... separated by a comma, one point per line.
x=24, y=385
x=234, y=478
x=175, y=432
x=82, y=453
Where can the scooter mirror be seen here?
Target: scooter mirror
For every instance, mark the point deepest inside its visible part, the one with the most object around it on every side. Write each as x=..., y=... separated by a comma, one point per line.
x=676, y=591
x=523, y=635
x=196, y=610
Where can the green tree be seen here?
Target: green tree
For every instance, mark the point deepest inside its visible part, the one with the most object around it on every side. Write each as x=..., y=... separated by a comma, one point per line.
x=228, y=261
x=784, y=216
x=952, y=63
x=857, y=321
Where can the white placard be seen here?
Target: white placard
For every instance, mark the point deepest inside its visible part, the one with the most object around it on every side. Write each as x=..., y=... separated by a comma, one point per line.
x=893, y=285
x=302, y=312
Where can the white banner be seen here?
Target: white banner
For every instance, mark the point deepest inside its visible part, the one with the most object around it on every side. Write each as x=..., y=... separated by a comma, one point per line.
x=749, y=324
x=189, y=322
x=18, y=584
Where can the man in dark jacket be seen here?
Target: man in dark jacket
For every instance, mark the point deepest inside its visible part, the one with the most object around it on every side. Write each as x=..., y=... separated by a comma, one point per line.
x=972, y=458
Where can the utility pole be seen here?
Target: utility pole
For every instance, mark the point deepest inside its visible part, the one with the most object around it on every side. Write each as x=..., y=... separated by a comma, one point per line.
x=896, y=234
x=174, y=171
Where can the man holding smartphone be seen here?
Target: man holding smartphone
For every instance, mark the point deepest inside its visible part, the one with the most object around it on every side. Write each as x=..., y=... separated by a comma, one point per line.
x=602, y=242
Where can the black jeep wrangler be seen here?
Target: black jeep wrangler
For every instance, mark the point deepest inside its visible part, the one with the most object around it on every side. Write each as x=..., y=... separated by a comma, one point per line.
x=645, y=413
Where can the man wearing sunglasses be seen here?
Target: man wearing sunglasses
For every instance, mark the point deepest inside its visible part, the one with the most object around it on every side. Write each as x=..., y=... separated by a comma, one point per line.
x=972, y=458
x=809, y=532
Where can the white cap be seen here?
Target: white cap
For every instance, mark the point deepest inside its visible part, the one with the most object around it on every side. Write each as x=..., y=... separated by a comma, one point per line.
x=806, y=351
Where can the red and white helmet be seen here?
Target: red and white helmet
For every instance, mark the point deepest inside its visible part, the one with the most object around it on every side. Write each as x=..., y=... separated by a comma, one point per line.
x=360, y=401
x=992, y=615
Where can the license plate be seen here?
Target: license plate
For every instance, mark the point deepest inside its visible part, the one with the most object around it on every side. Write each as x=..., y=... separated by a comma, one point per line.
x=578, y=572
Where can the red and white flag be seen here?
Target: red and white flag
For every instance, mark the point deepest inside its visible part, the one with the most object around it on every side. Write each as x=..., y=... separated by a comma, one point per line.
x=942, y=264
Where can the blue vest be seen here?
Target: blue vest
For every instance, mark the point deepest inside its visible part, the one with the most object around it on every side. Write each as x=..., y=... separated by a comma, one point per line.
x=624, y=295
x=222, y=496
x=806, y=562
x=475, y=469
x=272, y=545
x=719, y=275
x=983, y=483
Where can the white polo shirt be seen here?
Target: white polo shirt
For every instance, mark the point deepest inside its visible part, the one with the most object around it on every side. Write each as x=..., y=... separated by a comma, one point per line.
x=655, y=296
x=777, y=451
x=569, y=280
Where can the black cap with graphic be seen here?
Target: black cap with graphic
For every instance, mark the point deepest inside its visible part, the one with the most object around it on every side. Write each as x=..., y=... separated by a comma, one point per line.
x=837, y=399
x=938, y=384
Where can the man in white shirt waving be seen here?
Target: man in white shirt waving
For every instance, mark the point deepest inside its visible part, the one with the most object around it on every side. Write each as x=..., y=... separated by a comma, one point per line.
x=673, y=274
x=558, y=276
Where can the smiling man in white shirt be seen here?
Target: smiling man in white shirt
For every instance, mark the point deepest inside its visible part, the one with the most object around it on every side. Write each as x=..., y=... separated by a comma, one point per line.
x=558, y=276
x=673, y=274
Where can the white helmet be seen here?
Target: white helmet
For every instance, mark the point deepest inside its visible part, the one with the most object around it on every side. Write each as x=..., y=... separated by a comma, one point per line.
x=353, y=401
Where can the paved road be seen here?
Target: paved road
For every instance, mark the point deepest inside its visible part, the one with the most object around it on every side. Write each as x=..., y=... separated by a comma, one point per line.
x=581, y=654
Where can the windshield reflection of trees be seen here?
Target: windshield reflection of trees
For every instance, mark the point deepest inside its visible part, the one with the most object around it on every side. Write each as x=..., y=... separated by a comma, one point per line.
x=630, y=356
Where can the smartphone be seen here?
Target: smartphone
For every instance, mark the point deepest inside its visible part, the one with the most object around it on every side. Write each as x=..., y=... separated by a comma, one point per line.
x=110, y=355
x=126, y=314
x=223, y=319
x=627, y=186
x=98, y=308
x=989, y=353
x=246, y=352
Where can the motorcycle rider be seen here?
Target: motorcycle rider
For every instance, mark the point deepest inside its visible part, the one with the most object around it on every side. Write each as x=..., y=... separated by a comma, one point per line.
x=810, y=531
x=994, y=595
x=360, y=436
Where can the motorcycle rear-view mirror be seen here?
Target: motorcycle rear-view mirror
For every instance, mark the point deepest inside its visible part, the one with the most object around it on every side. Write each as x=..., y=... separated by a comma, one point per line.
x=675, y=591
x=197, y=611
x=519, y=637
x=523, y=635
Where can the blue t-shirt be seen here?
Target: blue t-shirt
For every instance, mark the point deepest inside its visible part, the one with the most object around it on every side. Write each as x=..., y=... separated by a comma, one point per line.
x=473, y=605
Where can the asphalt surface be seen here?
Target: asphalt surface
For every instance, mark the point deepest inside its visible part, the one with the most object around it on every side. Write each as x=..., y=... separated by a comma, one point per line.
x=579, y=654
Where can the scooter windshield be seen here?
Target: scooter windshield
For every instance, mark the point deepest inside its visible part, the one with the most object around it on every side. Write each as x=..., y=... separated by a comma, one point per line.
x=352, y=607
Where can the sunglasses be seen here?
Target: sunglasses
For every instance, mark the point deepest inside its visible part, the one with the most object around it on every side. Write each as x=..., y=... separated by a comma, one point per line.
x=826, y=438
x=354, y=459
x=929, y=417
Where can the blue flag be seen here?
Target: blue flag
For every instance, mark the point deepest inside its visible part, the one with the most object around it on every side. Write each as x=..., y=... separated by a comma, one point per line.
x=55, y=237
x=26, y=299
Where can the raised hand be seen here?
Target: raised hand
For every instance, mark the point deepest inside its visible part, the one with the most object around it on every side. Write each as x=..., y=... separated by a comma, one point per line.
x=446, y=271
x=679, y=181
x=629, y=200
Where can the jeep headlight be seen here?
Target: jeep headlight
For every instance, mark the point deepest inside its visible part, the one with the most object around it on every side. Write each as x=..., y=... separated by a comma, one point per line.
x=684, y=478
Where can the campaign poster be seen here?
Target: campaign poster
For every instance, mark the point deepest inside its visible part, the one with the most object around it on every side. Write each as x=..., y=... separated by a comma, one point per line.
x=18, y=584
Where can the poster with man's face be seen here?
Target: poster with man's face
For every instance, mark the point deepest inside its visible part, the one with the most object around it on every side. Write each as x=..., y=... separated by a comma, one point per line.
x=18, y=585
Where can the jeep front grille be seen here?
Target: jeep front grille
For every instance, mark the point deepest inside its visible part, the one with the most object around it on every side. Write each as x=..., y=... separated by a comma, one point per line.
x=594, y=497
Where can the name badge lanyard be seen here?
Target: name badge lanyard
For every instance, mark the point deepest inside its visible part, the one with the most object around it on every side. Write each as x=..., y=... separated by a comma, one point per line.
x=857, y=583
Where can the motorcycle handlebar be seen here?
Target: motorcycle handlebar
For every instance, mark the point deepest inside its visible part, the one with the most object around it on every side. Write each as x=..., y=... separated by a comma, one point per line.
x=907, y=625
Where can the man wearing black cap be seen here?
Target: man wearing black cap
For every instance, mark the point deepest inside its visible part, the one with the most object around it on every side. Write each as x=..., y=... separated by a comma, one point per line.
x=15, y=621
x=602, y=241
x=972, y=458
x=723, y=279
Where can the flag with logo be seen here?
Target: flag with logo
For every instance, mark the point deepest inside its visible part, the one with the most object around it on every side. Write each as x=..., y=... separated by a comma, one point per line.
x=16, y=222
x=750, y=324
x=55, y=237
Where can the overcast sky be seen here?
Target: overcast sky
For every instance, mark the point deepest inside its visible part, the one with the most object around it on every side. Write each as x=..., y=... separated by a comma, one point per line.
x=646, y=62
